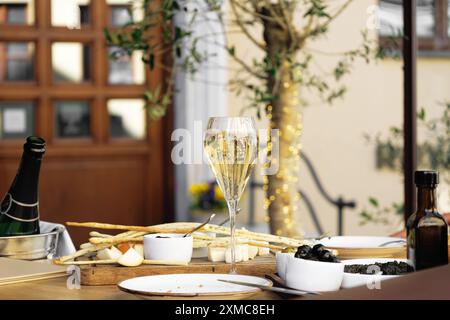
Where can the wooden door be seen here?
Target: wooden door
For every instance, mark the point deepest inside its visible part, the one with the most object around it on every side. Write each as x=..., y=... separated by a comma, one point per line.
x=105, y=161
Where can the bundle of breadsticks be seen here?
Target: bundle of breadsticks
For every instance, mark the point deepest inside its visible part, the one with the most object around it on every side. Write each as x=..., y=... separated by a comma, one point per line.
x=126, y=248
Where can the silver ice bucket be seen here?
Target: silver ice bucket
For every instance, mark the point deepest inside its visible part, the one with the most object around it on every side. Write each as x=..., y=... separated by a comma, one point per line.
x=33, y=247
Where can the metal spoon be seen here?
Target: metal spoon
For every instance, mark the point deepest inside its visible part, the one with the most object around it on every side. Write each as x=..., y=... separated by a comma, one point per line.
x=200, y=226
x=391, y=242
x=228, y=219
x=268, y=288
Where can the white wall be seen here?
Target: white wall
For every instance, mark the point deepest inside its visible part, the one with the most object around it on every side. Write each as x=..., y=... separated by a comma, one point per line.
x=333, y=135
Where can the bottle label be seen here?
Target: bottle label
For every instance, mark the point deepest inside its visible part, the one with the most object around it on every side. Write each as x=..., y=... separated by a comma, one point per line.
x=9, y=202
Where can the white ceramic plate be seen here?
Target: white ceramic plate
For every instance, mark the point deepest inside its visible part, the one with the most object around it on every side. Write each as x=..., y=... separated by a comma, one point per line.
x=360, y=242
x=355, y=280
x=191, y=285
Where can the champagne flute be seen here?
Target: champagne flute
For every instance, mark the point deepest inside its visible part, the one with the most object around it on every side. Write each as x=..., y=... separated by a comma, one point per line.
x=231, y=146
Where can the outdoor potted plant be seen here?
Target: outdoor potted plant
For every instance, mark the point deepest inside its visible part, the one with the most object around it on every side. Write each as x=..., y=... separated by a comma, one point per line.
x=207, y=198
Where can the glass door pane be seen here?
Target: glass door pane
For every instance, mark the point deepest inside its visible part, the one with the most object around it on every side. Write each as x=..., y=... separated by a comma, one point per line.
x=70, y=13
x=71, y=62
x=17, y=61
x=72, y=119
x=127, y=118
x=16, y=119
x=391, y=18
x=17, y=12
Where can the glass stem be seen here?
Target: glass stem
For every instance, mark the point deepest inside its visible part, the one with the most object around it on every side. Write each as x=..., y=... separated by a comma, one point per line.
x=232, y=207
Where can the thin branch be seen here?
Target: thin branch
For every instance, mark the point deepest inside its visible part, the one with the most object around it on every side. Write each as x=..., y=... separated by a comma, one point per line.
x=244, y=29
x=244, y=65
x=307, y=31
x=255, y=12
x=332, y=18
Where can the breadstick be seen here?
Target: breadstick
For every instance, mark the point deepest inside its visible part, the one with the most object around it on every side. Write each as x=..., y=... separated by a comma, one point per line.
x=86, y=245
x=112, y=241
x=226, y=242
x=146, y=262
x=100, y=235
x=165, y=262
x=255, y=236
x=82, y=252
x=162, y=228
x=183, y=227
x=86, y=262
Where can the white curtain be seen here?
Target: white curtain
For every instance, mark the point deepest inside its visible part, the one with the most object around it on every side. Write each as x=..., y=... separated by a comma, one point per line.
x=198, y=97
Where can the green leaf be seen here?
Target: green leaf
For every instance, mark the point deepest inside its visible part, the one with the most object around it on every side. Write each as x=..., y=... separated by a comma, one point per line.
x=231, y=50
x=374, y=202
x=421, y=114
x=136, y=34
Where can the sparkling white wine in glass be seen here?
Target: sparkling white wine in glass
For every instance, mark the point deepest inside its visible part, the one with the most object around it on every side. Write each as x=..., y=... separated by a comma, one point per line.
x=231, y=145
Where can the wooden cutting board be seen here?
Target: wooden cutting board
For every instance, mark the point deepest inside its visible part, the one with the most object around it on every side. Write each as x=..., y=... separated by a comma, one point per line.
x=111, y=274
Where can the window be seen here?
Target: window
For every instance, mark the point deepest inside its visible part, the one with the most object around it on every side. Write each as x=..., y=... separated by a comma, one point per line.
x=71, y=62
x=72, y=119
x=125, y=69
x=16, y=61
x=127, y=118
x=18, y=12
x=58, y=82
x=120, y=16
x=70, y=13
x=122, y=12
x=16, y=119
x=433, y=29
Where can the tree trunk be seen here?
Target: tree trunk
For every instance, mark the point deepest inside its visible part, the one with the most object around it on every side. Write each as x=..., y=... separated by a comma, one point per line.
x=285, y=115
x=282, y=192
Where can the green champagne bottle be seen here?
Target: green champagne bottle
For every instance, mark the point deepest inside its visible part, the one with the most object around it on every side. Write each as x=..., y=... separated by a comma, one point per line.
x=19, y=210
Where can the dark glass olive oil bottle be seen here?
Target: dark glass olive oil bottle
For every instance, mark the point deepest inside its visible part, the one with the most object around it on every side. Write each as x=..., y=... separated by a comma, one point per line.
x=427, y=231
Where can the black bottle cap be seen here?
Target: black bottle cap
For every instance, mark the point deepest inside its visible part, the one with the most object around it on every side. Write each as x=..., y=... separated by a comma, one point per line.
x=34, y=144
x=426, y=178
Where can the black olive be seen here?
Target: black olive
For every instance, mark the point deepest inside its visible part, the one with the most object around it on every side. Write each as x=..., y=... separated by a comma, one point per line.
x=325, y=256
x=303, y=252
x=316, y=253
x=318, y=248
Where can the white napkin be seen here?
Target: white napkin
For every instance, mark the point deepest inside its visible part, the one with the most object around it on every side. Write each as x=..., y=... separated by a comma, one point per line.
x=65, y=245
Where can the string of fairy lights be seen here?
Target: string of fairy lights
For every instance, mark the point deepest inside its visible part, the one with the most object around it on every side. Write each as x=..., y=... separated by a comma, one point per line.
x=285, y=196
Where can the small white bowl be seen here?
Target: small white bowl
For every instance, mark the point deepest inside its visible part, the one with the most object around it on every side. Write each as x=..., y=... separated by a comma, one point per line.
x=310, y=275
x=281, y=259
x=173, y=247
x=352, y=280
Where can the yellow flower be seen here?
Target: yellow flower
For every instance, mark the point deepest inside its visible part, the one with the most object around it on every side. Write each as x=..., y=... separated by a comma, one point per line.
x=198, y=189
x=218, y=194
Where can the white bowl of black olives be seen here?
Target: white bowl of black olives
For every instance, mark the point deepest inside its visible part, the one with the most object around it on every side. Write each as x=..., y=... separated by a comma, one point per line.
x=281, y=260
x=370, y=272
x=314, y=269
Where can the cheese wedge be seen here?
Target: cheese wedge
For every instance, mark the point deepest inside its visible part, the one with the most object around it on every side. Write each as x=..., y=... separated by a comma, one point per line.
x=131, y=258
x=244, y=251
x=263, y=251
x=108, y=254
x=114, y=249
x=139, y=248
x=238, y=254
x=216, y=254
x=252, y=252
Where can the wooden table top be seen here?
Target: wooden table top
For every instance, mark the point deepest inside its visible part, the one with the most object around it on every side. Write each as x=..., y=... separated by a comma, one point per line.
x=56, y=289
x=429, y=284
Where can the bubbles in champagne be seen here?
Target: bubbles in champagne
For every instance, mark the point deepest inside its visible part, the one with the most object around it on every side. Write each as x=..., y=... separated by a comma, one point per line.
x=232, y=156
